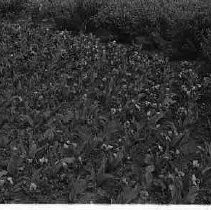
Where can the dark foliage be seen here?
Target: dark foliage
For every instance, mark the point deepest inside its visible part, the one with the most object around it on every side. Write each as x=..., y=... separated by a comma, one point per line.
x=85, y=118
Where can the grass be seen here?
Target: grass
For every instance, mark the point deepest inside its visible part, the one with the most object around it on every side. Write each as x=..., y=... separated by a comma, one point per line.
x=86, y=121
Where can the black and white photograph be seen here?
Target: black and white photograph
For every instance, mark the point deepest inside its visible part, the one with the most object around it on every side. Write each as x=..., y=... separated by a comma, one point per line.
x=105, y=102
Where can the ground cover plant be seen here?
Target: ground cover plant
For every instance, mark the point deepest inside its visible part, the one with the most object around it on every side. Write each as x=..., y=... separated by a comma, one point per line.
x=89, y=121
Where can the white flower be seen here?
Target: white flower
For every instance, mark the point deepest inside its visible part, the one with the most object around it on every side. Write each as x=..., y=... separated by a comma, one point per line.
x=194, y=179
x=154, y=105
x=80, y=159
x=198, y=85
x=147, y=102
x=10, y=180
x=158, y=126
x=63, y=51
x=138, y=107
x=30, y=160
x=107, y=147
x=113, y=110
x=66, y=146
x=124, y=180
x=160, y=148
x=188, y=93
x=64, y=164
x=32, y=187
x=148, y=113
x=120, y=109
x=170, y=133
x=115, y=155
x=177, y=152
x=195, y=163
x=43, y=160
x=156, y=86
x=2, y=182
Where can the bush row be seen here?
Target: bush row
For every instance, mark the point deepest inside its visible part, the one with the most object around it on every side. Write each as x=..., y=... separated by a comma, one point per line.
x=184, y=23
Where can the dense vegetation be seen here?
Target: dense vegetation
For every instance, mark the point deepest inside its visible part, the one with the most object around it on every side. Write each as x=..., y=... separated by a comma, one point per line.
x=105, y=101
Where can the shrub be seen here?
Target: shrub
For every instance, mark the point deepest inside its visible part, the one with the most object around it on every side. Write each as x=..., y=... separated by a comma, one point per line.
x=127, y=18
x=74, y=15
x=38, y=10
x=187, y=35
x=141, y=17
x=174, y=20
x=206, y=45
x=11, y=7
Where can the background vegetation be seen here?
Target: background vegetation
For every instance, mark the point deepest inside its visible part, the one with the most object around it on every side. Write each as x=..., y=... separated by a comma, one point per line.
x=105, y=101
